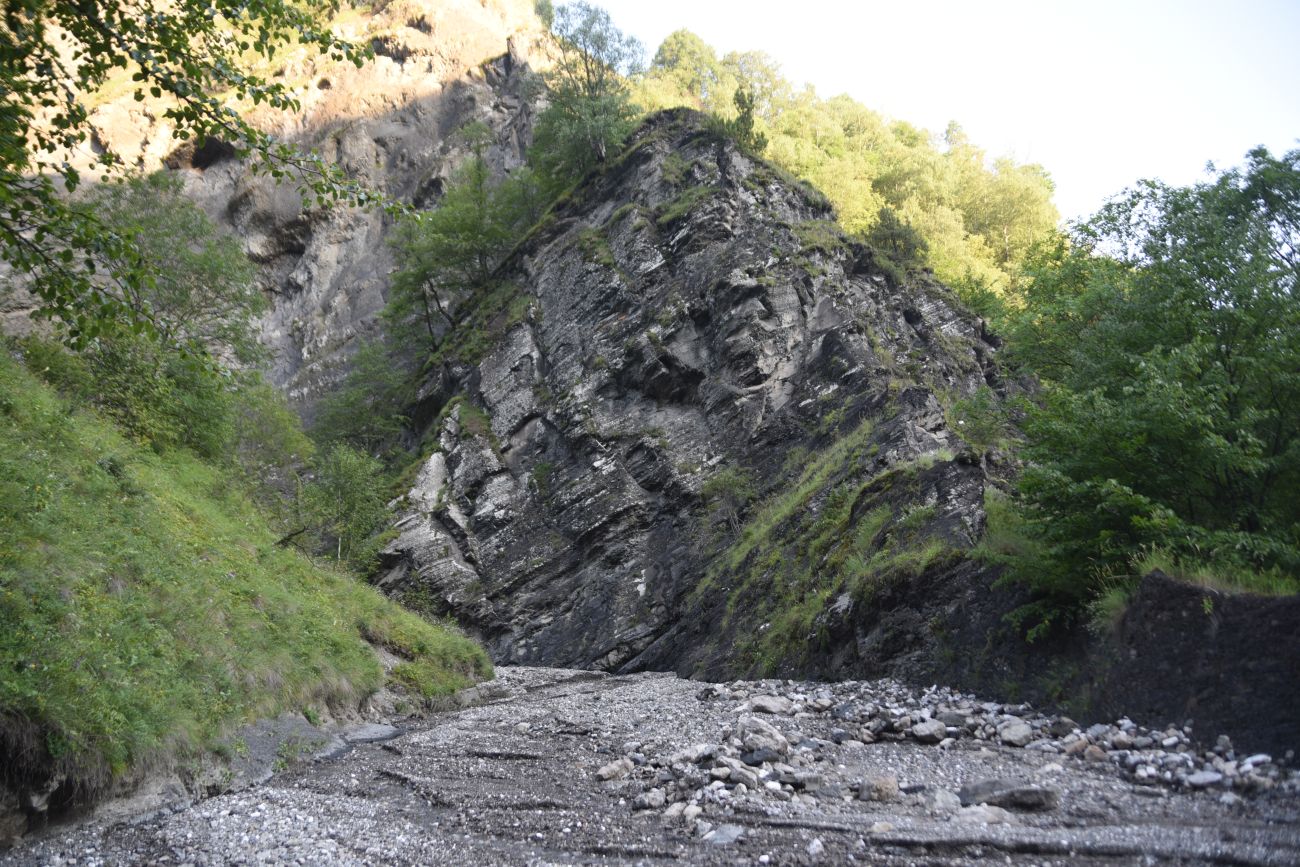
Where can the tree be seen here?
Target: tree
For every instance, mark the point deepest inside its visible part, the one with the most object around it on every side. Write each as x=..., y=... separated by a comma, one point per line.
x=346, y=501
x=367, y=409
x=201, y=296
x=591, y=111
x=200, y=289
x=54, y=55
x=1166, y=333
x=690, y=66
x=742, y=128
x=452, y=250
x=896, y=239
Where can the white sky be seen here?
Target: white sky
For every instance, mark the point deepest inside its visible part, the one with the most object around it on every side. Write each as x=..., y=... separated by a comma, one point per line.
x=1101, y=93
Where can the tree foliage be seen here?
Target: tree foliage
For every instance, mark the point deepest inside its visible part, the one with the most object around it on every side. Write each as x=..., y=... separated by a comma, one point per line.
x=201, y=297
x=1166, y=332
x=200, y=289
x=346, y=500
x=591, y=110
x=54, y=56
x=447, y=252
x=973, y=220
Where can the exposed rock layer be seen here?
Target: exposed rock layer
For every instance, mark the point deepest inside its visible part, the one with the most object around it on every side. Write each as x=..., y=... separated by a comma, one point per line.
x=695, y=327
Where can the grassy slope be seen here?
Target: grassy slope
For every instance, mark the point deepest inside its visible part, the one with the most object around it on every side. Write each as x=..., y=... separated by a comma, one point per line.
x=799, y=549
x=145, y=609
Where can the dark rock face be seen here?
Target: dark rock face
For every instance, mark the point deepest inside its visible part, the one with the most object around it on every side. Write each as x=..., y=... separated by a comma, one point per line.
x=700, y=345
x=1230, y=663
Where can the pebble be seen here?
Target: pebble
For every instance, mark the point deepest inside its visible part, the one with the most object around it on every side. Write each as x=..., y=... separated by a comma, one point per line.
x=615, y=770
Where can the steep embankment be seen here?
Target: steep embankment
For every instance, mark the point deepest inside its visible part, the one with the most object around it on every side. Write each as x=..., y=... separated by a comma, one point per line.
x=710, y=433
x=145, y=611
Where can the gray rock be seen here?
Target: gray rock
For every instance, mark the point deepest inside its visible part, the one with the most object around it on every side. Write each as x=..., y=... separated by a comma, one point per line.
x=1010, y=794
x=882, y=789
x=1202, y=779
x=773, y=704
x=370, y=733
x=653, y=799
x=755, y=734
x=1015, y=733
x=1062, y=726
x=724, y=835
x=940, y=801
x=615, y=770
x=953, y=718
x=631, y=379
x=929, y=731
x=984, y=814
x=758, y=757
x=693, y=755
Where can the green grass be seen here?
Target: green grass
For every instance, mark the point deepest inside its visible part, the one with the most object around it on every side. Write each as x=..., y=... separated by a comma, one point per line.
x=1212, y=575
x=684, y=204
x=145, y=609
x=1010, y=541
x=595, y=248
x=824, y=236
x=676, y=170
x=801, y=548
x=490, y=313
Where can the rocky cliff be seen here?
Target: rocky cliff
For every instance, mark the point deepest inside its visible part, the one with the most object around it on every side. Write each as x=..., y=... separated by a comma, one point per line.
x=709, y=435
x=391, y=124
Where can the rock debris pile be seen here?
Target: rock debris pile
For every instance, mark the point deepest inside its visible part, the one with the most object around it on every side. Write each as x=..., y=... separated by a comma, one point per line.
x=775, y=751
x=567, y=767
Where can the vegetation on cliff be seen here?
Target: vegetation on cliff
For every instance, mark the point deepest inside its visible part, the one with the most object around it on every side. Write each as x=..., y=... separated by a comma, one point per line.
x=157, y=510
x=54, y=60
x=922, y=200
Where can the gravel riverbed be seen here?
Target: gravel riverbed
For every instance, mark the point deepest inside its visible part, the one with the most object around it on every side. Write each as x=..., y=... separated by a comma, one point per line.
x=568, y=767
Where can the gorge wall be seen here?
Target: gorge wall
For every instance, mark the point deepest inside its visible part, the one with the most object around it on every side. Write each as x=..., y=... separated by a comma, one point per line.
x=695, y=377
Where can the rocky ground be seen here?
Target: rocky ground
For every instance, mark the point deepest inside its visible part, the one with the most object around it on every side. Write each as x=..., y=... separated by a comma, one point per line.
x=565, y=767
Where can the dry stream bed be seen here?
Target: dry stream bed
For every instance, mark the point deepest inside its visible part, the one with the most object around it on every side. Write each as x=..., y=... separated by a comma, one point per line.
x=566, y=767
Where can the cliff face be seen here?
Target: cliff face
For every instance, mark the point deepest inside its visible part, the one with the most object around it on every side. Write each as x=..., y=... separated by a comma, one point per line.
x=695, y=380
x=437, y=67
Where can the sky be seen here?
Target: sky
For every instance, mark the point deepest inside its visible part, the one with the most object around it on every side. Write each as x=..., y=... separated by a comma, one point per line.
x=1100, y=93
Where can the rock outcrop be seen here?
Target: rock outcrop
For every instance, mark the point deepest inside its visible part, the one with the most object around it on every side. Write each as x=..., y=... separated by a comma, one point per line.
x=704, y=408
x=391, y=124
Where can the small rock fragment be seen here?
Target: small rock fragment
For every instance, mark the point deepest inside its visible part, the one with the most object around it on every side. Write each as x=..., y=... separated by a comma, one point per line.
x=879, y=789
x=615, y=770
